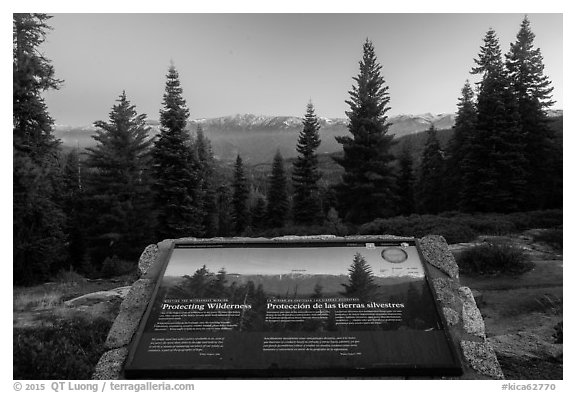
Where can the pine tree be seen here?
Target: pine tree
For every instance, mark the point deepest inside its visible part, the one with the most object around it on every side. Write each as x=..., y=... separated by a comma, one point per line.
x=430, y=190
x=38, y=219
x=305, y=175
x=199, y=283
x=367, y=190
x=224, y=207
x=176, y=169
x=258, y=214
x=217, y=287
x=333, y=223
x=534, y=91
x=74, y=206
x=205, y=156
x=317, y=294
x=32, y=75
x=278, y=204
x=360, y=279
x=119, y=185
x=464, y=127
x=240, y=197
x=494, y=176
x=406, y=182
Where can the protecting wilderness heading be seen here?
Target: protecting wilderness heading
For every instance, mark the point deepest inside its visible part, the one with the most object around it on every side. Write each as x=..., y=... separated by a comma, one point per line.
x=206, y=306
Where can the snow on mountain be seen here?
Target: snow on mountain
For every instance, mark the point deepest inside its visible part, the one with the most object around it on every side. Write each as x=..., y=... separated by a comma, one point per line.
x=555, y=112
x=258, y=137
x=250, y=122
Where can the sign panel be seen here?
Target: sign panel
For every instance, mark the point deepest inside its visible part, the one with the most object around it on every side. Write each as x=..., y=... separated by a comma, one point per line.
x=292, y=309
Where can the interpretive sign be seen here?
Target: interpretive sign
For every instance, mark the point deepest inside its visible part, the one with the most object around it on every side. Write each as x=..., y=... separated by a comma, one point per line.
x=288, y=309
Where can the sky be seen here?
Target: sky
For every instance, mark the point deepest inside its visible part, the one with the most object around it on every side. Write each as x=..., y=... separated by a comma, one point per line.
x=273, y=64
x=325, y=260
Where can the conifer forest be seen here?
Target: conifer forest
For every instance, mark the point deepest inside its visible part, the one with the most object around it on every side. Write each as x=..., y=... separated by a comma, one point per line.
x=93, y=210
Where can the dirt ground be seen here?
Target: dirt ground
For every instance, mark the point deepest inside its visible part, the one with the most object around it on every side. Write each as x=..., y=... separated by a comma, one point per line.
x=530, y=303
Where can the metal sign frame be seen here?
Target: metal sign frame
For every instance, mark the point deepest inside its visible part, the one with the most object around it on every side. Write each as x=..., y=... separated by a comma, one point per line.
x=453, y=368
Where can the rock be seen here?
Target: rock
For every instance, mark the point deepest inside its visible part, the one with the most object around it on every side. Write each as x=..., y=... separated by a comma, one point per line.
x=457, y=248
x=526, y=347
x=482, y=358
x=131, y=311
x=101, y=304
x=147, y=258
x=473, y=322
x=110, y=364
x=451, y=316
x=106, y=310
x=445, y=290
x=98, y=297
x=436, y=252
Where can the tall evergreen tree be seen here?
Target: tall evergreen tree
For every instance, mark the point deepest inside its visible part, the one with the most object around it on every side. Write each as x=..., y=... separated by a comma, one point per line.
x=258, y=213
x=305, y=175
x=430, y=190
x=278, y=204
x=119, y=186
x=464, y=127
x=224, y=207
x=317, y=294
x=206, y=163
x=32, y=74
x=367, y=190
x=360, y=279
x=74, y=205
x=38, y=219
x=240, y=197
x=406, y=182
x=534, y=91
x=494, y=176
x=177, y=185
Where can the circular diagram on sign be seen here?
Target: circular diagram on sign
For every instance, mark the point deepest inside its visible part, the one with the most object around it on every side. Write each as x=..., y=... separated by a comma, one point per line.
x=394, y=255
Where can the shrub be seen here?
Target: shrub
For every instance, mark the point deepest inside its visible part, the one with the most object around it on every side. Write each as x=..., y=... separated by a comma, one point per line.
x=112, y=267
x=546, y=218
x=552, y=237
x=491, y=225
x=301, y=230
x=68, y=349
x=68, y=276
x=558, y=333
x=536, y=219
x=454, y=229
x=455, y=233
x=493, y=257
x=461, y=227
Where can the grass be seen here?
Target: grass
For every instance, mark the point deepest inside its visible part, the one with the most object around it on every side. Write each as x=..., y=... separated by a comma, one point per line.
x=493, y=257
x=67, y=349
x=534, y=302
x=50, y=295
x=62, y=342
x=27, y=301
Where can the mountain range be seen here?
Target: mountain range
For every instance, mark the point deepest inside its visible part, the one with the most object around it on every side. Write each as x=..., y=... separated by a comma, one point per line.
x=256, y=137
x=304, y=284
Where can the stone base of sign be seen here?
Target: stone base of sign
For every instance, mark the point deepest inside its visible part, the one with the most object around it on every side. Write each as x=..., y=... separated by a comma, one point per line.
x=463, y=318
